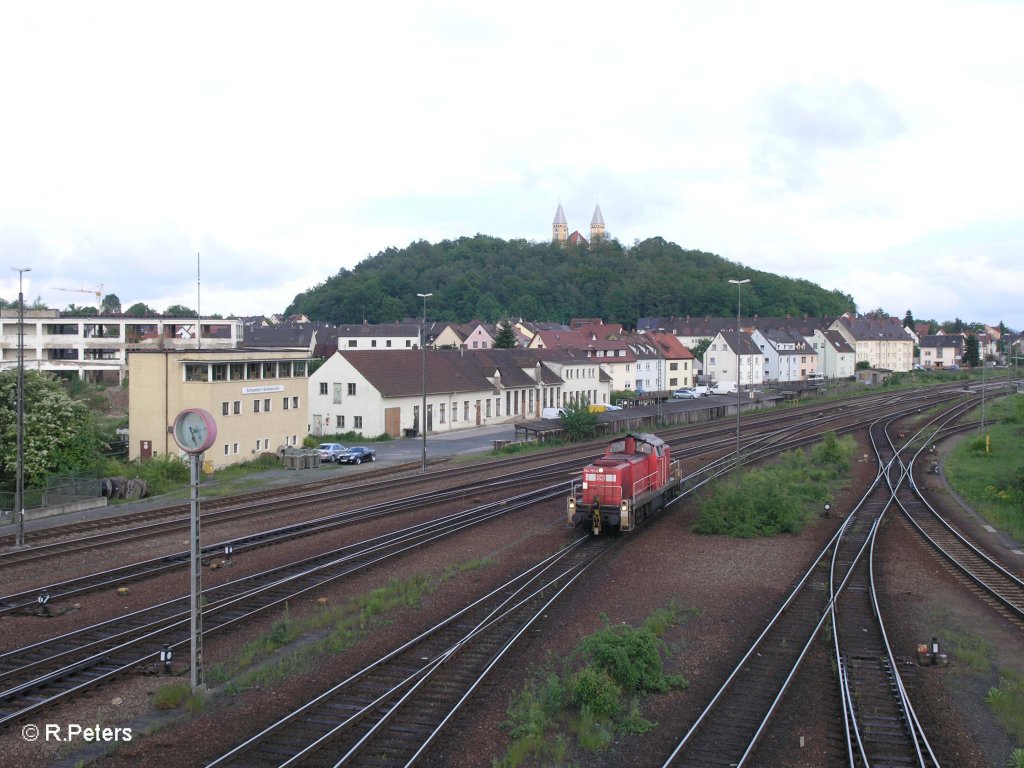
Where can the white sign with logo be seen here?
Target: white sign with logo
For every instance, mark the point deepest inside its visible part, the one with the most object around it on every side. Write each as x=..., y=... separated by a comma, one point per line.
x=263, y=390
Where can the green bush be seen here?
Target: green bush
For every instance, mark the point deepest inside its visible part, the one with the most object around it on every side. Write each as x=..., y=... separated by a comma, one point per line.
x=595, y=691
x=630, y=656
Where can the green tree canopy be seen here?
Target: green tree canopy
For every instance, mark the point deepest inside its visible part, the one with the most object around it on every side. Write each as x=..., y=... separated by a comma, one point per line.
x=506, y=337
x=179, y=310
x=971, y=356
x=138, y=309
x=488, y=278
x=111, y=305
x=60, y=434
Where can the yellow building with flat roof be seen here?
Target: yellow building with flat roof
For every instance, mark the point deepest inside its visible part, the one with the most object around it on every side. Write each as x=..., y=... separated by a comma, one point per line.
x=256, y=396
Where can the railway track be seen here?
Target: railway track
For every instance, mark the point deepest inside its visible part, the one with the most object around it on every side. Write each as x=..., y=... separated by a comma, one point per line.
x=39, y=675
x=388, y=713
x=147, y=523
x=730, y=727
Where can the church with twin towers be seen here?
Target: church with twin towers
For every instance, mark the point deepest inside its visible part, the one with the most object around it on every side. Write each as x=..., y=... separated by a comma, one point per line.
x=560, y=229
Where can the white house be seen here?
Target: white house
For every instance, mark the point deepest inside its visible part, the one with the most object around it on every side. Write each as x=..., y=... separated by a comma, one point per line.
x=378, y=336
x=787, y=355
x=836, y=358
x=375, y=392
x=721, y=359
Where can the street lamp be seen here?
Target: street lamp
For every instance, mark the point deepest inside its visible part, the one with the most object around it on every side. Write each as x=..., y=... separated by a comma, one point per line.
x=423, y=347
x=739, y=358
x=19, y=483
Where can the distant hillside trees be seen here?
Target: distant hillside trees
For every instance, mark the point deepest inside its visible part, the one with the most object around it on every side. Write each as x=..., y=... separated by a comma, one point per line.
x=489, y=278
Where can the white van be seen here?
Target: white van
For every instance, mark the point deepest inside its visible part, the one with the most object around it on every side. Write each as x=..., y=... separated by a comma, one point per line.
x=818, y=377
x=552, y=413
x=724, y=388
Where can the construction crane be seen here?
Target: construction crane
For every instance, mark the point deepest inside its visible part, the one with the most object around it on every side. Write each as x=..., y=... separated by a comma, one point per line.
x=97, y=291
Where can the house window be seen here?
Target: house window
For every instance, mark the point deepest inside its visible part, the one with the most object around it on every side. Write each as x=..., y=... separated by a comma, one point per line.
x=373, y=343
x=284, y=370
x=299, y=368
x=269, y=370
x=256, y=406
x=337, y=392
x=388, y=343
x=220, y=373
x=196, y=372
x=339, y=421
x=465, y=410
x=266, y=405
x=236, y=373
x=224, y=408
x=295, y=401
x=225, y=449
x=488, y=409
x=476, y=344
x=236, y=407
x=455, y=412
x=711, y=361
x=440, y=412
x=408, y=343
x=357, y=422
x=266, y=443
x=234, y=448
x=252, y=371
x=673, y=366
x=352, y=343
x=284, y=403
x=323, y=387
x=351, y=390
x=497, y=406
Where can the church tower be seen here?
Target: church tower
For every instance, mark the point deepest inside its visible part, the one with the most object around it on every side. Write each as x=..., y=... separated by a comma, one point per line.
x=559, y=228
x=597, y=225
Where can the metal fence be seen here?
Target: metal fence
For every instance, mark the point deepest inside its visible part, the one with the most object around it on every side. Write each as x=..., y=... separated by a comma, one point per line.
x=60, y=489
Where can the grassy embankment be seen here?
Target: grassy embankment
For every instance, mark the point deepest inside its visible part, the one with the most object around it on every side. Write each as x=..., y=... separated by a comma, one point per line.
x=989, y=474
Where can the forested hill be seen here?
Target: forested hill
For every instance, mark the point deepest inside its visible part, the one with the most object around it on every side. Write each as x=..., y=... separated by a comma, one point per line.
x=487, y=278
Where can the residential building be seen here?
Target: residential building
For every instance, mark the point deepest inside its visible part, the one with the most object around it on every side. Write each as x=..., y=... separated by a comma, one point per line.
x=379, y=336
x=257, y=397
x=881, y=342
x=95, y=348
x=940, y=351
x=787, y=355
x=725, y=354
x=382, y=392
x=836, y=358
x=678, y=369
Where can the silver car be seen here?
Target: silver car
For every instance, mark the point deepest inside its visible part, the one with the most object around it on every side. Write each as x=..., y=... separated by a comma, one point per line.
x=331, y=451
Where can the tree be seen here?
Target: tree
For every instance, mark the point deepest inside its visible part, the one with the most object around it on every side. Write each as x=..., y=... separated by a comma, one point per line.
x=60, y=433
x=138, y=309
x=577, y=419
x=83, y=311
x=862, y=365
x=111, y=305
x=506, y=337
x=908, y=320
x=700, y=348
x=178, y=310
x=971, y=356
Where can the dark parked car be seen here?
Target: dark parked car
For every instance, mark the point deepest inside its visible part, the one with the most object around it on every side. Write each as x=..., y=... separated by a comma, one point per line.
x=357, y=455
x=685, y=393
x=331, y=451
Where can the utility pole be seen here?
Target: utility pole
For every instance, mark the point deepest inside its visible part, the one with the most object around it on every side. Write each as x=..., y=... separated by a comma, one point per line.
x=19, y=486
x=423, y=349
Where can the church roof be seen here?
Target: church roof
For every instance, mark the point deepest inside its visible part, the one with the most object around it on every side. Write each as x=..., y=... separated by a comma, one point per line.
x=560, y=216
x=598, y=219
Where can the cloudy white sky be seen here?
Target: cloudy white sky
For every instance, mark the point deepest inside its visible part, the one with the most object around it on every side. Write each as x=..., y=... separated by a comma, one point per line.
x=875, y=148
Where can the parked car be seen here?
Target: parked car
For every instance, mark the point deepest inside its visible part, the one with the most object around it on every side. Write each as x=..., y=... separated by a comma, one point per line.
x=357, y=455
x=331, y=451
x=703, y=391
x=952, y=367
x=613, y=407
x=685, y=394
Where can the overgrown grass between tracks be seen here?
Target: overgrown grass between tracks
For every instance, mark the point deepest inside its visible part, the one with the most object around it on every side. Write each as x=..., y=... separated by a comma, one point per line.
x=990, y=474
x=782, y=497
x=583, y=701
x=293, y=644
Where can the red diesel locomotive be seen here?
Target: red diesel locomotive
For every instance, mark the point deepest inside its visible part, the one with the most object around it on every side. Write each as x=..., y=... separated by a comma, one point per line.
x=633, y=480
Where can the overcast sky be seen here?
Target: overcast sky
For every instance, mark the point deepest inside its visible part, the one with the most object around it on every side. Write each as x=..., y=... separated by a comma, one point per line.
x=875, y=148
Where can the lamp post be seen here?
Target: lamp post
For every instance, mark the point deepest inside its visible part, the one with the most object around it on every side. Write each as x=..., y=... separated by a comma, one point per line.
x=739, y=359
x=19, y=483
x=423, y=348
